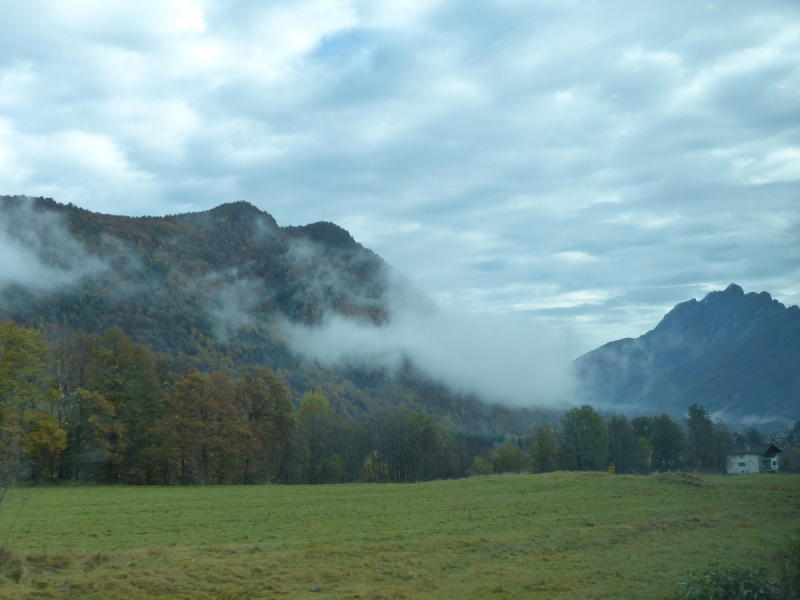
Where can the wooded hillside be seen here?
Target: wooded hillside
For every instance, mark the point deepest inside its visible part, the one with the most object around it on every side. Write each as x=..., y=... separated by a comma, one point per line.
x=208, y=290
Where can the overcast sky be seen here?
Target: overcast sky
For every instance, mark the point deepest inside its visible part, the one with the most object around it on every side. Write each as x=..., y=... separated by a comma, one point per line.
x=593, y=163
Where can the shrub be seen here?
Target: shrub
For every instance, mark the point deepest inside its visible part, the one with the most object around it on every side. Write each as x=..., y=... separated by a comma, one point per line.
x=481, y=466
x=509, y=458
x=787, y=560
x=732, y=583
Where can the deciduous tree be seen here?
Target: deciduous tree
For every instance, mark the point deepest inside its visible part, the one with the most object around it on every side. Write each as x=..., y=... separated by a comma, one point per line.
x=123, y=374
x=700, y=437
x=509, y=458
x=669, y=444
x=267, y=409
x=545, y=452
x=627, y=451
x=481, y=466
x=43, y=441
x=583, y=437
x=29, y=436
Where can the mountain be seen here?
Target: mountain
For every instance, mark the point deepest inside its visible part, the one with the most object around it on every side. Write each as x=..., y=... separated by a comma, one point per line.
x=214, y=290
x=736, y=354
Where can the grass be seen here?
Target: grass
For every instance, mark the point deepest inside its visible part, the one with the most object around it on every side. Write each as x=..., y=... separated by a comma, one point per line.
x=561, y=535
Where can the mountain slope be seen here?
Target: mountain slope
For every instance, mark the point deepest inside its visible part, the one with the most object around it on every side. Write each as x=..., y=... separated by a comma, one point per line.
x=736, y=354
x=211, y=290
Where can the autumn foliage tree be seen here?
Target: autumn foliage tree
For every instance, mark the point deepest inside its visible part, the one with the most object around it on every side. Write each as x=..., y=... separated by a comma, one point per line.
x=201, y=437
x=123, y=374
x=266, y=406
x=101, y=408
x=29, y=435
x=217, y=429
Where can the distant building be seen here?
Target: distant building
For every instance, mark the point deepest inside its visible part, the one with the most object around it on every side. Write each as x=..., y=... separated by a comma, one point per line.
x=745, y=459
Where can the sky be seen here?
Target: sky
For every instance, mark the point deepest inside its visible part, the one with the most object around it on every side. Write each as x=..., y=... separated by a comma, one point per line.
x=590, y=164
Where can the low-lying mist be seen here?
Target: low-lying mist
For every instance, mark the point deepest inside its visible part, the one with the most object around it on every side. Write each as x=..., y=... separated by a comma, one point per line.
x=514, y=359
x=38, y=251
x=518, y=359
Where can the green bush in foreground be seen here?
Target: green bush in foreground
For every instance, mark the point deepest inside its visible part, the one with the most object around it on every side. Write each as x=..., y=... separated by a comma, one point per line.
x=732, y=583
x=737, y=583
x=788, y=562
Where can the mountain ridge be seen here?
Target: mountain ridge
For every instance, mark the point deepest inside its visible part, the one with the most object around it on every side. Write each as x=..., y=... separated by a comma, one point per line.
x=736, y=354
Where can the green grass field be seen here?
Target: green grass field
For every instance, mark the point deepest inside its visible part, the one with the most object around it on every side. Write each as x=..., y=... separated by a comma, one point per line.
x=561, y=535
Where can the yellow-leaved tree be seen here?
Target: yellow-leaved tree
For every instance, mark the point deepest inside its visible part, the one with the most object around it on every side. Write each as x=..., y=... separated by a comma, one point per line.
x=30, y=437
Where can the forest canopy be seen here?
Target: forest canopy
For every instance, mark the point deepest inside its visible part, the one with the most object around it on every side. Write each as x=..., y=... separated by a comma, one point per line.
x=100, y=408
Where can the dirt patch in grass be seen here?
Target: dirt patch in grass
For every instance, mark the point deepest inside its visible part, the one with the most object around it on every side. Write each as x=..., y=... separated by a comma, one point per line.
x=690, y=479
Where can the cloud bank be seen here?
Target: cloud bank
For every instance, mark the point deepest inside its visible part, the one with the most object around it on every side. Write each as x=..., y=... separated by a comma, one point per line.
x=518, y=359
x=513, y=359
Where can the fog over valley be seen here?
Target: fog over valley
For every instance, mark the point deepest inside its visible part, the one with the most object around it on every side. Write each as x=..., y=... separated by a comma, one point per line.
x=517, y=359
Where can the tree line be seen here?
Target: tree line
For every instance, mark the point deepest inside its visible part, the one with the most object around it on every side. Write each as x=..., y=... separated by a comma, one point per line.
x=585, y=440
x=100, y=408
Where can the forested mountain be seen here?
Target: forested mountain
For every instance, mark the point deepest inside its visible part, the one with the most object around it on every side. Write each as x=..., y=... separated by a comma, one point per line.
x=736, y=354
x=151, y=351
x=209, y=290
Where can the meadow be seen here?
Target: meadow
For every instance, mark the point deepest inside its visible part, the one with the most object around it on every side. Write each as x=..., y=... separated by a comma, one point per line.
x=559, y=535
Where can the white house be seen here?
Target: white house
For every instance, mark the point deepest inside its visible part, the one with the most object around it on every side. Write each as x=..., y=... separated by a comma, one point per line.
x=753, y=458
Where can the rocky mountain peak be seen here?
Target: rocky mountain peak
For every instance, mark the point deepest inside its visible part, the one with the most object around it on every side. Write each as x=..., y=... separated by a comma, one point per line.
x=726, y=314
x=734, y=352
